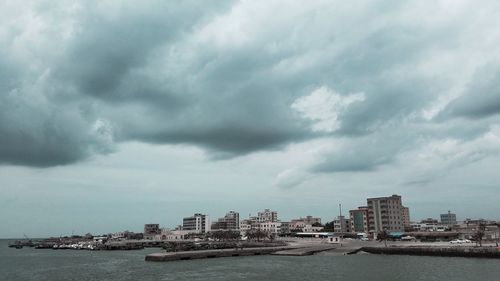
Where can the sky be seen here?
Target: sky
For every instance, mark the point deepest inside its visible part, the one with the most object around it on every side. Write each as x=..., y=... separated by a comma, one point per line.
x=114, y=114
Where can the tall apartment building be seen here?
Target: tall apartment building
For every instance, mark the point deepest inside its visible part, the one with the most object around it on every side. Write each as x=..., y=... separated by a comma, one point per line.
x=231, y=221
x=385, y=213
x=198, y=223
x=359, y=220
x=448, y=219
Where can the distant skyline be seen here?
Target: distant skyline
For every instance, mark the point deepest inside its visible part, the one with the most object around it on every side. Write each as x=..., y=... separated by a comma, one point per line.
x=114, y=114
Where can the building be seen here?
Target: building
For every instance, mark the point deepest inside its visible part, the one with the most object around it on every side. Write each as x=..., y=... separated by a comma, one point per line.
x=448, y=219
x=385, y=213
x=406, y=217
x=267, y=216
x=341, y=225
x=231, y=221
x=359, y=220
x=308, y=220
x=270, y=227
x=297, y=226
x=246, y=225
x=198, y=223
x=173, y=235
x=151, y=230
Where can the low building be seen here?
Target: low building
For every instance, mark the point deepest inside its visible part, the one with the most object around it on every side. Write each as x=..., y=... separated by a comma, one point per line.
x=285, y=228
x=173, y=235
x=151, y=230
x=341, y=225
x=307, y=220
x=246, y=225
x=270, y=227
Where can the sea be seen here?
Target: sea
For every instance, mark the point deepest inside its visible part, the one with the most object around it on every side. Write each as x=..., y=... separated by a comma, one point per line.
x=47, y=264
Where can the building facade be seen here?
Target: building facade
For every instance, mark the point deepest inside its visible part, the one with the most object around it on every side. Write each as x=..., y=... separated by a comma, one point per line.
x=198, y=223
x=231, y=221
x=151, y=230
x=341, y=225
x=359, y=220
x=385, y=213
x=449, y=219
x=267, y=216
x=406, y=217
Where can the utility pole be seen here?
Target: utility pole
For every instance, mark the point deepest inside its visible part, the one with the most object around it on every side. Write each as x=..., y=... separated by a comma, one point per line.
x=341, y=223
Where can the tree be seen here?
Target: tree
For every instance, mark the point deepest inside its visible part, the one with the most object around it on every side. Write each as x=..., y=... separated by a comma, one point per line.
x=328, y=227
x=383, y=236
x=479, y=234
x=256, y=234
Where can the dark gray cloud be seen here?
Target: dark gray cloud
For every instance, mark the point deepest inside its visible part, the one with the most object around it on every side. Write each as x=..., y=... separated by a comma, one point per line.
x=224, y=78
x=481, y=97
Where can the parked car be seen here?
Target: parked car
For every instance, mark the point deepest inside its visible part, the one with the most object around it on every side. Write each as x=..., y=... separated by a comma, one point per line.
x=456, y=241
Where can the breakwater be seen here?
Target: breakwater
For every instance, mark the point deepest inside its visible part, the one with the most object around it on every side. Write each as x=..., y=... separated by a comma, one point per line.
x=473, y=252
x=206, y=254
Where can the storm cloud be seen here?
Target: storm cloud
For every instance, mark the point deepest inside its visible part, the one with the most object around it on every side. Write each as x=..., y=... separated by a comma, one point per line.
x=79, y=79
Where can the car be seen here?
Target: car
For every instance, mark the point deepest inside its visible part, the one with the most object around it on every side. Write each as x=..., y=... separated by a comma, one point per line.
x=408, y=238
x=466, y=241
x=456, y=241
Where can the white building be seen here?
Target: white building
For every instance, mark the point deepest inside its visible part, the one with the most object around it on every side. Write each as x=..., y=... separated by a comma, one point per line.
x=270, y=227
x=198, y=223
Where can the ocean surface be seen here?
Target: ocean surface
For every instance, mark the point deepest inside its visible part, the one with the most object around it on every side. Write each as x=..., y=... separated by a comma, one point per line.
x=54, y=265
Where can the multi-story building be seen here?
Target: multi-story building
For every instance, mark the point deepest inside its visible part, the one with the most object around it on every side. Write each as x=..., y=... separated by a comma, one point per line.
x=267, y=216
x=406, y=217
x=231, y=221
x=341, y=225
x=246, y=225
x=285, y=227
x=150, y=230
x=297, y=225
x=270, y=227
x=198, y=223
x=385, y=213
x=359, y=220
x=449, y=219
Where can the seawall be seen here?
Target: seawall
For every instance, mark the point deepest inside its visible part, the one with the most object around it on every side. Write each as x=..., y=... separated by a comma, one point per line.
x=473, y=252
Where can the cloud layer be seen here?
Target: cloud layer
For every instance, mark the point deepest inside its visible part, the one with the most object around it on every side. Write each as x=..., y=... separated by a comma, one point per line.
x=376, y=81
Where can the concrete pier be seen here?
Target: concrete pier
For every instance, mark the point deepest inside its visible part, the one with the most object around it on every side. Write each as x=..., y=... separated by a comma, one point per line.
x=206, y=254
x=306, y=251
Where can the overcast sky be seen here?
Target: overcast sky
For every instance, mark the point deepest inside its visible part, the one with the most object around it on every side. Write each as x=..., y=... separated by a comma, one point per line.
x=118, y=113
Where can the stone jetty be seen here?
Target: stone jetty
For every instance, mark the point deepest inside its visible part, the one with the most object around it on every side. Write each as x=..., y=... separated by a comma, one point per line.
x=306, y=251
x=206, y=254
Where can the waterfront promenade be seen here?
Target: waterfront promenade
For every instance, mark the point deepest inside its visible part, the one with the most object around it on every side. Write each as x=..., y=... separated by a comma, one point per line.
x=305, y=248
